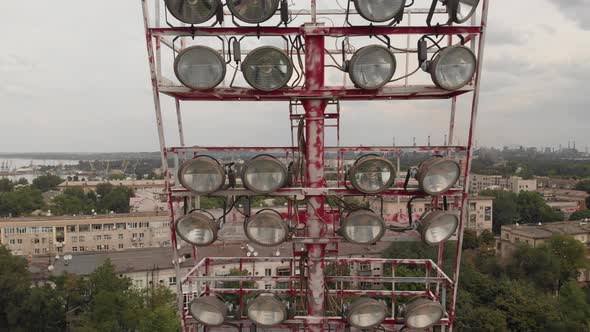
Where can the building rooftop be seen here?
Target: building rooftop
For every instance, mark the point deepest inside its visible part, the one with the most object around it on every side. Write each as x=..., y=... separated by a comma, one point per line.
x=129, y=183
x=543, y=231
x=88, y=217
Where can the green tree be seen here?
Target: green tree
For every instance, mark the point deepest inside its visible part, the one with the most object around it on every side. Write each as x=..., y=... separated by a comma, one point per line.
x=116, y=200
x=20, y=201
x=14, y=287
x=6, y=185
x=580, y=215
x=117, y=176
x=533, y=209
x=583, y=185
x=47, y=182
x=74, y=201
x=505, y=209
x=573, y=306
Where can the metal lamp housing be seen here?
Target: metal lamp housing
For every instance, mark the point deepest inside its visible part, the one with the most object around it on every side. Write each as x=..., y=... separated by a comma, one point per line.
x=197, y=228
x=202, y=175
x=436, y=175
x=266, y=228
x=362, y=227
x=267, y=68
x=372, y=174
x=423, y=313
x=366, y=313
x=453, y=67
x=193, y=11
x=372, y=67
x=208, y=310
x=461, y=10
x=380, y=10
x=264, y=174
x=253, y=11
x=266, y=310
x=199, y=67
x=437, y=226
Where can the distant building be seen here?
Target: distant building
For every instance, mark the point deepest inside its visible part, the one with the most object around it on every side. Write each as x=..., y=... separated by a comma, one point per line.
x=48, y=236
x=535, y=235
x=516, y=184
x=132, y=184
x=565, y=195
x=552, y=183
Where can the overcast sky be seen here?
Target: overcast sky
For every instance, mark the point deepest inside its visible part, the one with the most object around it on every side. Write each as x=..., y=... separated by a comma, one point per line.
x=74, y=77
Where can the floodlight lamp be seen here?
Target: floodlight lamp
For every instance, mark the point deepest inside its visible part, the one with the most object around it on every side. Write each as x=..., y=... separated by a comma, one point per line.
x=437, y=226
x=264, y=174
x=362, y=227
x=267, y=68
x=366, y=313
x=371, y=67
x=372, y=174
x=199, y=67
x=266, y=310
x=453, y=67
x=267, y=228
x=193, y=11
x=380, y=10
x=437, y=174
x=197, y=228
x=422, y=313
x=202, y=175
x=208, y=310
x=461, y=10
x=253, y=11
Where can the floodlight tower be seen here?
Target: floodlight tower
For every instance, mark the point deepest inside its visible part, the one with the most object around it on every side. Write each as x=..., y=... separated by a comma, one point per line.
x=316, y=299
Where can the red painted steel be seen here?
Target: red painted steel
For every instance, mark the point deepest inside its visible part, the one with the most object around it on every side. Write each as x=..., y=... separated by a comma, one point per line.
x=320, y=221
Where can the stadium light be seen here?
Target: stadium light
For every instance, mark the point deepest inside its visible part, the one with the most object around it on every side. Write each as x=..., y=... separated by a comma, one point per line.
x=208, y=310
x=453, y=67
x=253, y=11
x=266, y=228
x=371, y=67
x=362, y=227
x=366, y=313
x=372, y=174
x=380, y=10
x=267, y=68
x=202, y=175
x=422, y=313
x=436, y=175
x=461, y=10
x=264, y=174
x=199, y=67
x=198, y=228
x=437, y=226
x=266, y=310
x=193, y=11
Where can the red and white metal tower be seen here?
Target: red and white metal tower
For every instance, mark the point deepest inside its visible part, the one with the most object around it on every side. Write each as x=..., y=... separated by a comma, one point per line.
x=317, y=297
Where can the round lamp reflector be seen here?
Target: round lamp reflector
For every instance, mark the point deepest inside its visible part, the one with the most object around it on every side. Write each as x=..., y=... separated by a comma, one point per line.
x=437, y=175
x=422, y=313
x=453, y=67
x=267, y=68
x=371, y=67
x=264, y=174
x=266, y=228
x=197, y=228
x=253, y=11
x=266, y=310
x=201, y=175
x=437, y=226
x=362, y=227
x=199, y=67
x=372, y=174
x=193, y=11
x=208, y=310
x=379, y=10
x=366, y=313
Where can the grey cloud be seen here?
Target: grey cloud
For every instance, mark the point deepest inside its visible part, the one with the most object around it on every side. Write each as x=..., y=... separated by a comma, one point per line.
x=576, y=10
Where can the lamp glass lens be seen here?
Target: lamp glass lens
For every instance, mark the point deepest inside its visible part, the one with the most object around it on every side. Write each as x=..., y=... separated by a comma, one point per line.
x=363, y=227
x=267, y=69
x=455, y=68
x=379, y=10
x=264, y=175
x=367, y=315
x=192, y=11
x=266, y=311
x=207, y=313
x=424, y=316
x=200, y=68
x=202, y=176
x=196, y=230
x=373, y=175
x=253, y=11
x=441, y=229
x=465, y=9
x=441, y=176
x=372, y=67
x=266, y=229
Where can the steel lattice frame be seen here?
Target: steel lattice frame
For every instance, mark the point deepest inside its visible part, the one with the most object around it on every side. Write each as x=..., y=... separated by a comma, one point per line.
x=314, y=96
